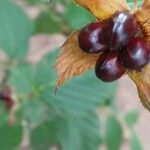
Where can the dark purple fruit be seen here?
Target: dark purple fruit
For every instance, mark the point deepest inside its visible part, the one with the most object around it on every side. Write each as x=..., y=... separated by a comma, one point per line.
x=111, y=34
x=109, y=67
x=5, y=94
x=91, y=38
x=136, y=55
x=124, y=28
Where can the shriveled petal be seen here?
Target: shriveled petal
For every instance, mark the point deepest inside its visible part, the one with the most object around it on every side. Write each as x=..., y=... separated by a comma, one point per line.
x=72, y=60
x=142, y=81
x=103, y=9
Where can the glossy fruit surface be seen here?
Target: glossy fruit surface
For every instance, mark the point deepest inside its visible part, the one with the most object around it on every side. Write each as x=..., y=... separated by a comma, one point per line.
x=111, y=34
x=109, y=67
x=91, y=38
x=136, y=55
x=124, y=28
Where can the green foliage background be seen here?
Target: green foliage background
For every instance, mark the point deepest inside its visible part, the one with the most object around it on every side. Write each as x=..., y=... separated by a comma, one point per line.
x=68, y=119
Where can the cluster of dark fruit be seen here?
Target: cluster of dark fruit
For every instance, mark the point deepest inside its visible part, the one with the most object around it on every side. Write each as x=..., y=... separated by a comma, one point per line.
x=121, y=42
x=6, y=96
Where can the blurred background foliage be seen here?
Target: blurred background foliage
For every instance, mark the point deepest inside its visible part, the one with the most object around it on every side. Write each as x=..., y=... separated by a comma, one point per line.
x=69, y=119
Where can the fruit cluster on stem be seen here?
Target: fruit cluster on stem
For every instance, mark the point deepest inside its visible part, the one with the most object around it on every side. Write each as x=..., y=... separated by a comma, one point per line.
x=121, y=45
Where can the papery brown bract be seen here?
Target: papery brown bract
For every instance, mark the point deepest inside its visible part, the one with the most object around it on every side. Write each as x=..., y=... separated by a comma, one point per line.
x=142, y=81
x=72, y=60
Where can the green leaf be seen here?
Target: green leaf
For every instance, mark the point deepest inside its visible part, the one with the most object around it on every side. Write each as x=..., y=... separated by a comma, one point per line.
x=10, y=136
x=21, y=76
x=49, y=2
x=44, y=71
x=69, y=111
x=15, y=29
x=76, y=97
x=70, y=132
x=28, y=78
x=32, y=105
x=135, y=142
x=4, y=113
x=48, y=22
x=33, y=2
x=81, y=94
x=77, y=16
x=42, y=137
x=114, y=133
x=131, y=118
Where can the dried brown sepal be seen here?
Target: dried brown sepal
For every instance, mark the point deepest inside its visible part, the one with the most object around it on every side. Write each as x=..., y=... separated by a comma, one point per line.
x=72, y=60
x=103, y=9
x=142, y=81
